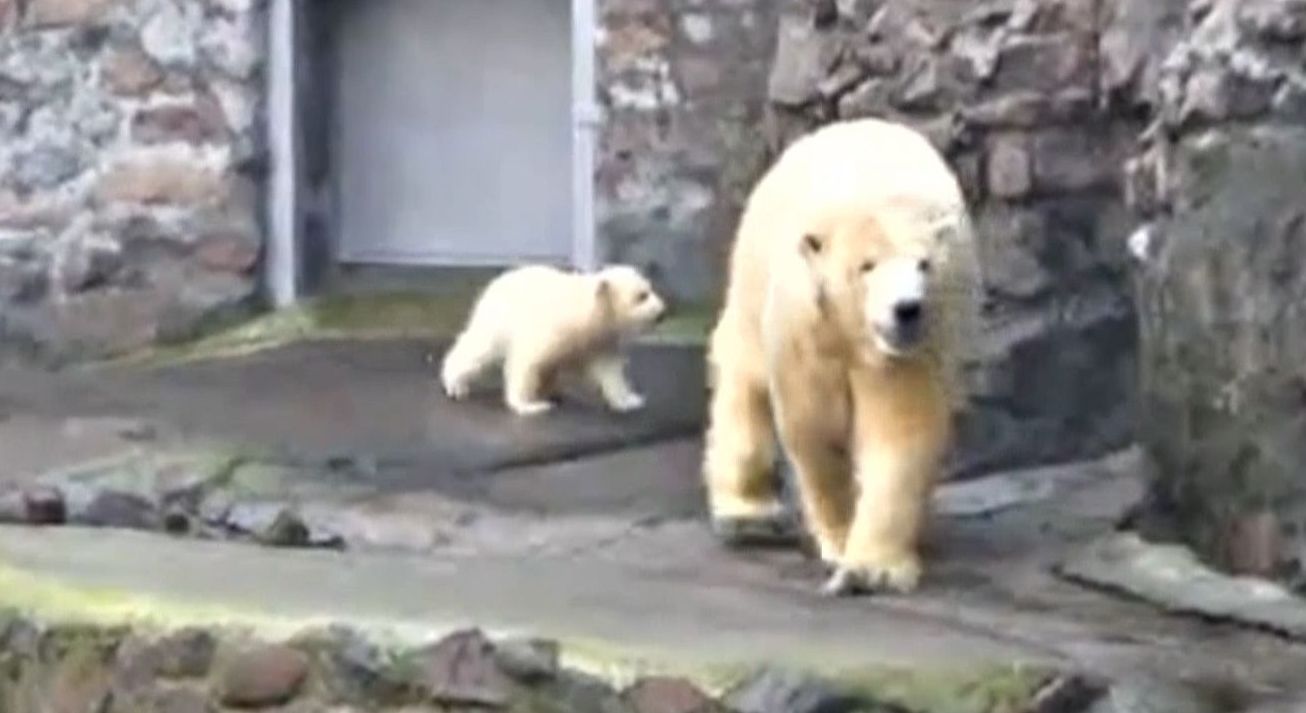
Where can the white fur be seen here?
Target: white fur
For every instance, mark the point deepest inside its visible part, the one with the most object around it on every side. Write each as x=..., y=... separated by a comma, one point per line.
x=534, y=321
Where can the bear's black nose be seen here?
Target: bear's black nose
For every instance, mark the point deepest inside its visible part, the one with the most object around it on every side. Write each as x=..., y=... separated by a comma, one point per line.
x=907, y=312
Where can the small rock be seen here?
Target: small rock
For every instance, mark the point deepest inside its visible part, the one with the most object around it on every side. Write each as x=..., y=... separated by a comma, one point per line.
x=176, y=521
x=229, y=251
x=63, y=13
x=169, y=36
x=44, y=506
x=263, y=677
x=1009, y=167
x=775, y=691
x=1151, y=694
x=271, y=524
x=129, y=72
x=198, y=123
x=45, y=167
x=13, y=507
x=355, y=670
x=1067, y=694
x=160, y=182
x=528, y=660
x=110, y=508
x=461, y=669
x=1044, y=63
x=667, y=695
x=186, y=654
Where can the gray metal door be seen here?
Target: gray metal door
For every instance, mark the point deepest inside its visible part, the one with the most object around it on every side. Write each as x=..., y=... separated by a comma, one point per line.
x=453, y=131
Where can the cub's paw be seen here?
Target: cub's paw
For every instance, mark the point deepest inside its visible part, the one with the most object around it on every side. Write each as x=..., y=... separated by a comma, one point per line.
x=455, y=390
x=531, y=408
x=627, y=402
x=898, y=575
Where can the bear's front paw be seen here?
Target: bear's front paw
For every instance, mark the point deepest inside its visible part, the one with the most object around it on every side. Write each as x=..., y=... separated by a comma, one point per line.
x=531, y=408
x=627, y=402
x=899, y=575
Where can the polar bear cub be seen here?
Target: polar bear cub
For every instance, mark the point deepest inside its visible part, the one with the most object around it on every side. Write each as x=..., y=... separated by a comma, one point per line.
x=536, y=320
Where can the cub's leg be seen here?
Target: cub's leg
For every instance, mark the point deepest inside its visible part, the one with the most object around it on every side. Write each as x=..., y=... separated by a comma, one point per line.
x=527, y=372
x=901, y=429
x=813, y=411
x=477, y=348
x=607, y=371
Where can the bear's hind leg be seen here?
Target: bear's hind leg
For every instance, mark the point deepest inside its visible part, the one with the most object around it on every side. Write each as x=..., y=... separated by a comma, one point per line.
x=525, y=378
x=474, y=351
x=821, y=467
x=739, y=461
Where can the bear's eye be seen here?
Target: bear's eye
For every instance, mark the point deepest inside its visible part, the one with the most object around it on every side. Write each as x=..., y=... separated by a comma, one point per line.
x=868, y=265
x=924, y=265
x=642, y=296
x=812, y=243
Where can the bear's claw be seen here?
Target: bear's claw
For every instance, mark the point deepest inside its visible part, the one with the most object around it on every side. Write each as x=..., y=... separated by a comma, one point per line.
x=851, y=581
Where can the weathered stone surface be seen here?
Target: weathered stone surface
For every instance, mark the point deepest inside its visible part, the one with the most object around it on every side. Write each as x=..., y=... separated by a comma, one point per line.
x=461, y=670
x=55, y=13
x=130, y=72
x=44, y=506
x=228, y=251
x=774, y=691
x=181, y=700
x=45, y=167
x=113, y=112
x=197, y=123
x=1010, y=170
x=1222, y=329
x=163, y=181
x=1135, y=39
x=262, y=677
x=1044, y=63
x=528, y=659
x=117, y=509
x=667, y=695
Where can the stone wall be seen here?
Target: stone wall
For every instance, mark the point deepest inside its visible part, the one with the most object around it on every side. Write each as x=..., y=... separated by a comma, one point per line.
x=128, y=135
x=1221, y=178
x=67, y=667
x=682, y=88
x=1036, y=104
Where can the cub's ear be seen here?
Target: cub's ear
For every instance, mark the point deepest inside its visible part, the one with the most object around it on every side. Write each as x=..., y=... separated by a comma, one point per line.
x=812, y=245
x=603, y=290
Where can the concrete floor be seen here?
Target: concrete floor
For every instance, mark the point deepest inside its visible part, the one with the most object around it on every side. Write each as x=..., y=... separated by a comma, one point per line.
x=584, y=526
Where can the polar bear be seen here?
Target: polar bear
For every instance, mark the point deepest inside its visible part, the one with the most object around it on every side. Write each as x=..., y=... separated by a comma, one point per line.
x=536, y=320
x=848, y=316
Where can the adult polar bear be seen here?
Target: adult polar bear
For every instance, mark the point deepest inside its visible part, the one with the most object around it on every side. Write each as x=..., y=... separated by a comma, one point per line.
x=847, y=319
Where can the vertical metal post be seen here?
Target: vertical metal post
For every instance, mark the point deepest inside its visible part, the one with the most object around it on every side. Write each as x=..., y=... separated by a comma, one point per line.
x=585, y=122
x=282, y=256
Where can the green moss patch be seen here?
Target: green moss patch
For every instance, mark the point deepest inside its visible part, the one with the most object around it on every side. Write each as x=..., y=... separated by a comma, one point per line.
x=381, y=315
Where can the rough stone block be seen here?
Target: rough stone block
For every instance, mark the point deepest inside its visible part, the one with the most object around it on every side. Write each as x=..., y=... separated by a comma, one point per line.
x=1009, y=167
x=61, y=13
x=1045, y=63
x=161, y=181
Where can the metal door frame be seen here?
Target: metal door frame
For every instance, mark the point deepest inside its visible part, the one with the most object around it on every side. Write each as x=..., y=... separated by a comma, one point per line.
x=284, y=189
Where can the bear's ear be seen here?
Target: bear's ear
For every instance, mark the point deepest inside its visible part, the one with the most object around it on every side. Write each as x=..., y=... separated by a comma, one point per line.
x=812, y=244
x=603, y=290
